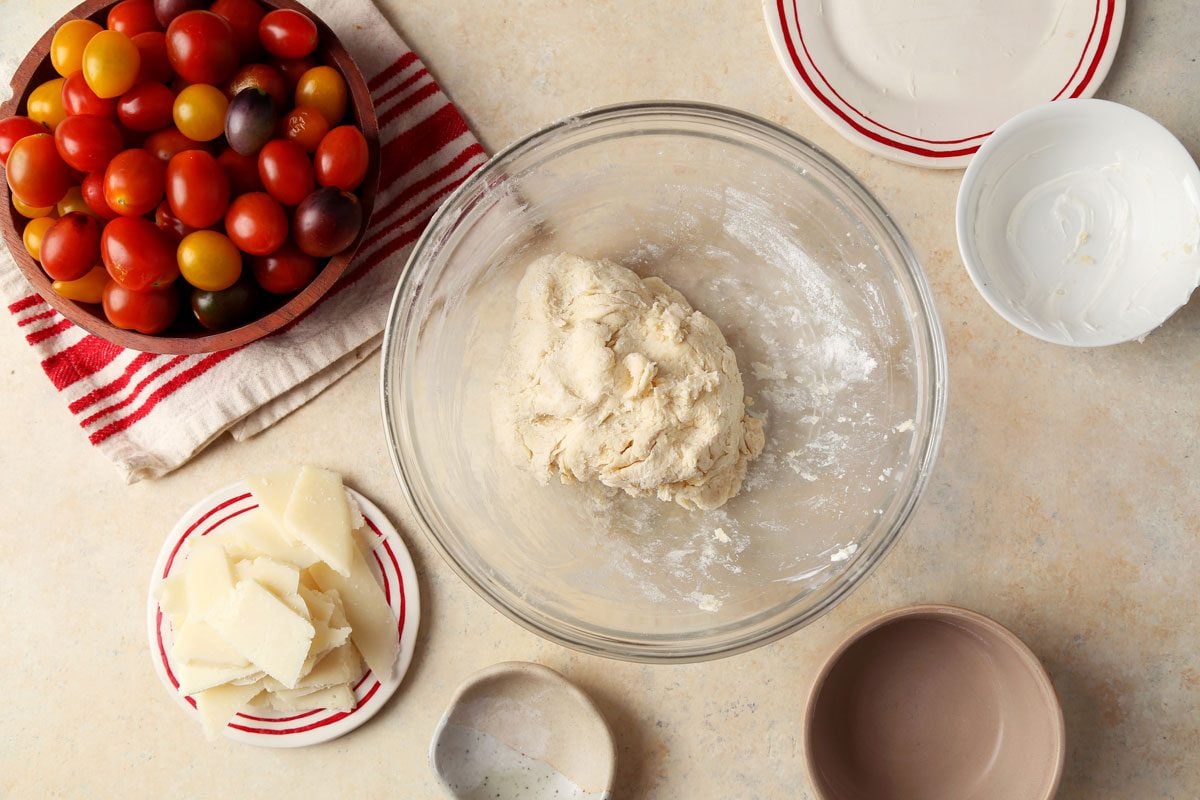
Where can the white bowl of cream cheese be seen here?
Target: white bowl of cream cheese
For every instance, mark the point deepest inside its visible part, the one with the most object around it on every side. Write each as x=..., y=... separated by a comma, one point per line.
x=1079, y=223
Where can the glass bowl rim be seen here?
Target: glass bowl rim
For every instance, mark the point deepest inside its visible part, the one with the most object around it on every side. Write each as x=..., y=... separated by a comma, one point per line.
x=935, y=385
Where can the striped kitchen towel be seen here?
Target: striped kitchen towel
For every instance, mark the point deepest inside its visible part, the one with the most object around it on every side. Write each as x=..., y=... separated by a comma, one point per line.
x=151, y=413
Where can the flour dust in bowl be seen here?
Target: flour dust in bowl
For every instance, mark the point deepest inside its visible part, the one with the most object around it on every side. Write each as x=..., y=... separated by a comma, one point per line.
x=815, y=290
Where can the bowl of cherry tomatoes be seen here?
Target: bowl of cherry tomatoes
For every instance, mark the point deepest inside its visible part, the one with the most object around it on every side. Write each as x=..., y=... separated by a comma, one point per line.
x=187, y=176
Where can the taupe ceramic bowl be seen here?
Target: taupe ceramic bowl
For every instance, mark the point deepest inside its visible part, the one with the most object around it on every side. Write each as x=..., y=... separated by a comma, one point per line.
x=933, y=702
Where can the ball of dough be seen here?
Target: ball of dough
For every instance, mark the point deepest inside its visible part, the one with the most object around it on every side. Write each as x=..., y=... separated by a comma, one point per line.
x=617, y=379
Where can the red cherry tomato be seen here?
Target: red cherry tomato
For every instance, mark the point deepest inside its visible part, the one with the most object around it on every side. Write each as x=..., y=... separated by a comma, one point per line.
x=146, y=312
x=169, y=141
x=146, y=107
x=266, y=79
x=287, y=270
x=88, y=143
x=92, y=190
x=243, y=16
x=286, y=171
x=132, y=17
x=71, y=247
x=167, y=222
x=133, y=183
x=36, y=172
x=241, y=170
x=287, y=33
x=138, y=255
x=78, y=98
x=201, y=48
x=256, y=223
x=12, y=130
x=154, y=65
x=342, y=158
x=197, y=188
x=292, y=70
x=306, y=127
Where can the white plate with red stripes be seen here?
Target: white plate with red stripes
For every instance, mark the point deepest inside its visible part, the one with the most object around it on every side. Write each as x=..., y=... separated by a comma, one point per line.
x=393, y=568
x=924, y=82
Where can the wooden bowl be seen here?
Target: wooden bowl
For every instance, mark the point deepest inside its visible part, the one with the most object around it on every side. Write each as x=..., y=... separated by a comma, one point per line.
x=185, y=336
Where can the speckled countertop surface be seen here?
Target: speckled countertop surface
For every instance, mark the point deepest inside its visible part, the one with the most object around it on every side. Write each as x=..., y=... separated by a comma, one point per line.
x=1066, y=503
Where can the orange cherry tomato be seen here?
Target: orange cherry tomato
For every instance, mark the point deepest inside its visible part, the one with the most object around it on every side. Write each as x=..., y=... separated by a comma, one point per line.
x=34, y=234
x=45, y=103
x=72, y=203
x=67, y=46
x=199, y=112
x=88, y=289
x=31, y=212
x=208, y=260
x=324, y=89
x=342, y=158
x=306, y=127
x=110, y=63
x=35, y=171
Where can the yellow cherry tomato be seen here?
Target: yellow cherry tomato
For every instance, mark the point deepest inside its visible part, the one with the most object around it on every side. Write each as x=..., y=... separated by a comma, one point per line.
x=200, y=112
x=73, y=201
x=45, y=103
x=35, y=233
x=209, y=260
x=66, y=48
x=324, y=89
x=88, y=289
x=110, y=64
x=28, y=211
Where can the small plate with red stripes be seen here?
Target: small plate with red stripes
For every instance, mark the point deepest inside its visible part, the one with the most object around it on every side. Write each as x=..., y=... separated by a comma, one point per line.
x=925, y=82
x=393, y=569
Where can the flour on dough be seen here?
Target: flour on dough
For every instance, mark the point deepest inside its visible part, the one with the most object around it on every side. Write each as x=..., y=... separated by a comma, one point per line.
x=614, y=378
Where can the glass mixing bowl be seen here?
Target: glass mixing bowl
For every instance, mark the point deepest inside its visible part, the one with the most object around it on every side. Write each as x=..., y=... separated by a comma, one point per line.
x=817, y=292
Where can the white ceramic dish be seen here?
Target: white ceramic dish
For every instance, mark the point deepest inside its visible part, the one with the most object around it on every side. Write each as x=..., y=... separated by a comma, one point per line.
x=394, y=570
x=925, y=82
x=521, y=731
x=1079, y=222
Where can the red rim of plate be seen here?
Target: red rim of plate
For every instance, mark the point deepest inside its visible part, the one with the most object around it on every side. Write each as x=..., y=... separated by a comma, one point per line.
x=787, y=36
x=394, y=569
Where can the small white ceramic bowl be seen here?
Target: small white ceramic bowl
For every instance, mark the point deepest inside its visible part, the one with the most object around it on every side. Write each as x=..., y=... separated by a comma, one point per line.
x=1079, y=222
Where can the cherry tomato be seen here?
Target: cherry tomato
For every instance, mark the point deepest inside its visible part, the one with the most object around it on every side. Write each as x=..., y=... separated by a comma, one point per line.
x=201, y=47
x=36, y=173
x=342, y=158
x=256, y=223
x=155, y=67
x=169, y=141
x=66, y=48
x=78, y=98
x=228, y=308
x=12, y=130
x=327, y=222
x=92, y=190
x=137, y=254
x=241, y=170
x=200, y=112
x=168, y=10
x=134, y=182
x=266, y=79
x=197, y=188
x=71, y=247
x=243, y=17
x=287, y=270
x=132, y=17
x=306, y=127
x=209, y=260
x=250, y=121
x=33, y=212
x=110, y=63
x=88, y=289
x=170, y=224
x=73, y=202
x=34, y=234
x=286, y=171
x=292, y=69
x=146, y=312
x=324, y=89
x=45, y=103
x=146, y=107
x=88, y=143
x=287, y=33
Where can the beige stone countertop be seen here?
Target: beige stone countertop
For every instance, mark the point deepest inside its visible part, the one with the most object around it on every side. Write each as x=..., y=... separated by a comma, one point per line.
x=1065, y=503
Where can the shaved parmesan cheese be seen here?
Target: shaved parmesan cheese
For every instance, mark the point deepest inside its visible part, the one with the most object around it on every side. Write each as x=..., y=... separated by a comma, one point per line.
x=172, y=599
x=282, y=579
x=273, y=491
x=336, y=698
x=197, y=642
x=265, y=631
x=256, y=534
x=209, y=579
x=318, y=516
x=198, y=677
x=340, y=665
x=372, y=624
x=218, y=705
